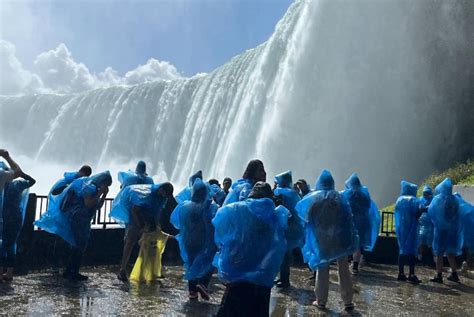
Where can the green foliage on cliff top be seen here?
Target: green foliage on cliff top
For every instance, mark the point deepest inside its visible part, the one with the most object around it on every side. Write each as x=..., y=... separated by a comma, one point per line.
x=460, y=174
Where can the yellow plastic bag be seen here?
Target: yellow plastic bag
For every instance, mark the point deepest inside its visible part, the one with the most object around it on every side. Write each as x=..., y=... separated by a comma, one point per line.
x=147, y=268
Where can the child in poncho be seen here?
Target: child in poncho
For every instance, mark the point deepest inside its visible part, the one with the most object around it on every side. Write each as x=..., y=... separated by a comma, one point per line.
x=147, y=268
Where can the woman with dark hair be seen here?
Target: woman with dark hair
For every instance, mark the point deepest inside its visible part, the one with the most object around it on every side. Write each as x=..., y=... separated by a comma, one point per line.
x=255, y=172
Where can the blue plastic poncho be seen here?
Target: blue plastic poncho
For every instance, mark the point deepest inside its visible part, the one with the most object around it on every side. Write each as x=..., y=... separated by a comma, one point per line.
x=143, y=196
x=185, y=193
x=330, y=232
x=295, y=233
x=467, y=215
x=63, y=207
x=445, y=213
x=14, y=208
x=239, y=191
x=68, y=178
x=132, y=178
x=406, y=222
x=364, y=211
x=193, y=219
x=217, y=193
x=426, y=225
x=251, y=238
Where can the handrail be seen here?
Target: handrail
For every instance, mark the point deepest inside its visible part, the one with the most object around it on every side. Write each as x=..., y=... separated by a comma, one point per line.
x=101, y=218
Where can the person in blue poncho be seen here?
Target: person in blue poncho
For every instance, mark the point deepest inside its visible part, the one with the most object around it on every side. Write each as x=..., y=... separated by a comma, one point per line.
x=295, y=233
x=133, y=206
x=70, y=214
x=255, y=172
x=217, y=193
x=185, y=193
x=55, y=191
x=196, y=238
x=226, y=185
x=330, y=235
x=366, y=217
x=467, y=214
x=14, y=207
x=303, y=187
x=426, y=227
x=445, y=213
x=135, y=178
x=251, y=238
x=407, y=213
x=69, y=177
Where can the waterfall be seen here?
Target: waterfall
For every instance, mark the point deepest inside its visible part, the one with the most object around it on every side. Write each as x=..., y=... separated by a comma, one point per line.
x=380, y=88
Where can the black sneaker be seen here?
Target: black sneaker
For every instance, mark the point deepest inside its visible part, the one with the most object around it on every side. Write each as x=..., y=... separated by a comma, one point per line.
x=312, y=277
x=281, y=284
x=349, y=308
x=319, y=306
x=193, y=295
x=202, y=290
x=453, y=277
x=122, y=276
x=413, y=279
x=355, y=270
x=437, y=279
x=401, y=277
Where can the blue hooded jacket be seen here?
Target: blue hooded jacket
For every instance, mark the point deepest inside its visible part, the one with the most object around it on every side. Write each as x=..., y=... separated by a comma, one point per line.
x=426, y=225
x=143, y=196
x=406, y=222
x=295, y=233
x=251, y=238
x=364, y=211
x=240, y=190
x=445, y=213
x=63, y=207
x=193, y=219
x=330, y=231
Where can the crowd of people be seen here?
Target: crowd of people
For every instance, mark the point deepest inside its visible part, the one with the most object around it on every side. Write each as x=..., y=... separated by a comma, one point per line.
x=246, y=231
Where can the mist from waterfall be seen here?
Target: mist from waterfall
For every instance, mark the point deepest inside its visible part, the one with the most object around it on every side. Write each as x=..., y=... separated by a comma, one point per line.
x=382, y=88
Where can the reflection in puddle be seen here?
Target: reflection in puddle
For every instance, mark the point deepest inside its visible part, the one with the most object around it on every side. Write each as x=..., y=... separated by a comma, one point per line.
x=376, y=293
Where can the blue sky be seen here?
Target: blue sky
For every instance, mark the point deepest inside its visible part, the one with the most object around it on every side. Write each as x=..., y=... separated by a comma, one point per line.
x=194, y=35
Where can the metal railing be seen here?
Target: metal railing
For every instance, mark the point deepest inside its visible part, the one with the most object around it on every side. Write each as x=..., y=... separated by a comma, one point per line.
x=101, y=219
x=387, y=227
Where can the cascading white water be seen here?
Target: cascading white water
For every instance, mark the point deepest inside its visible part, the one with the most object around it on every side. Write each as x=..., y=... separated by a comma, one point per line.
x=381, y=88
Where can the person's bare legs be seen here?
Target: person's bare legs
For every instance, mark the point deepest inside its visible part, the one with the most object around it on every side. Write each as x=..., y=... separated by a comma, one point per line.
x=439, y=264
x=453, y=277
x=439, y=270
x=127, y=252
x=356, y=260
x=132, y=237
x=452, y=263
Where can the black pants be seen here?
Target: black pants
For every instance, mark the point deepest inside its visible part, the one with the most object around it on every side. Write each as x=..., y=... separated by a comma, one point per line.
x=80, y=225
x=203, y=281
x=285, y=268
x=245, y=299
x=11, y=230
x=404, y=259
x=74, y=261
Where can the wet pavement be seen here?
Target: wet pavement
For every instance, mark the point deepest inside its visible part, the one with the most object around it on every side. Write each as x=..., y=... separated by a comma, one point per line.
x=377, y=293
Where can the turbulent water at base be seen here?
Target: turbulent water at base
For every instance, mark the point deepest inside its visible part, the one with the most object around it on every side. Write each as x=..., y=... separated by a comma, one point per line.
x=383, y=88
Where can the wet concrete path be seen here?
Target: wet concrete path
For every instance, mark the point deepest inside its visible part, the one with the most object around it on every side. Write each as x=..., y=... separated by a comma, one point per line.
x=377, y=293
